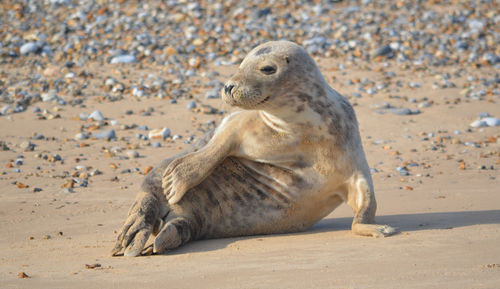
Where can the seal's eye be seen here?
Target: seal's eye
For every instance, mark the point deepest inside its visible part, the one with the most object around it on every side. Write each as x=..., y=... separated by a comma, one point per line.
x=268, y=69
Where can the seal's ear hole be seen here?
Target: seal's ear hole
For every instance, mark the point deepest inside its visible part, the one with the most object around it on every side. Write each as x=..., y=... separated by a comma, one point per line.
x=287, y=60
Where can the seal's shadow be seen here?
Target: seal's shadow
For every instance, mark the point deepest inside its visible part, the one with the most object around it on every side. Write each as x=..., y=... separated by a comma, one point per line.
x=404, y=222
x=418, y=221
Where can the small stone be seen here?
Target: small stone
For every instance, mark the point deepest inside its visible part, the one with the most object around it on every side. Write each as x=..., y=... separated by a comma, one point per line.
x=22, y=275
x=4, y=146
x=96, y=115
x=403, y=171
x=30, y=47
x=81, y=136
x=424, y=104
x=36, y=190
x=123, y=59
x=95, y=172
x=110, y=82
x=69, y=184
x=67, y=191
x=147, y=169
x=401, y=111
x=55, y=158
x=191, y=105
x=5, y=109
x=107, y=135
x=159, y=133
x=157, y=144
x=84, y=116
x=212, y=94
x=132, y=154
x=491, y=121
x=478, y=123
x=382, y=105
x=22, y=186
x=92, y=266
x=383, y=51
x=27, y=146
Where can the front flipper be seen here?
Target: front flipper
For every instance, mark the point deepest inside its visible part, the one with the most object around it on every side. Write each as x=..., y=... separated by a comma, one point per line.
x=143, y=219
x=182, y=174
x=361, y=199
x=373, y=230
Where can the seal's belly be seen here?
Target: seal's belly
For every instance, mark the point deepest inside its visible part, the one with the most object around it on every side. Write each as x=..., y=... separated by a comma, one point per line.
x=243, y=197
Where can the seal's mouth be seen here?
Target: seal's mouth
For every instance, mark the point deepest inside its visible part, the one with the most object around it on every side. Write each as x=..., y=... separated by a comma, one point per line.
x=246, y=99
x=264, y=100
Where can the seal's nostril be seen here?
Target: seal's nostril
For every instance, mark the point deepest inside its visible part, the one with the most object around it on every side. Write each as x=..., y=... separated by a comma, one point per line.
x=228, y=88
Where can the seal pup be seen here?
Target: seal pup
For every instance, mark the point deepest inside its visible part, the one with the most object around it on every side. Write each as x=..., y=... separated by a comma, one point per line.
x=279, y=165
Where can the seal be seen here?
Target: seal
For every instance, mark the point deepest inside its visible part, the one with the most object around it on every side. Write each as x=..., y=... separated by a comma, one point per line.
x=279, y=165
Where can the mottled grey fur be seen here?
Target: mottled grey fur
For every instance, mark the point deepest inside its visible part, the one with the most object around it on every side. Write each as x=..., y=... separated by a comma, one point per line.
x=287, y=160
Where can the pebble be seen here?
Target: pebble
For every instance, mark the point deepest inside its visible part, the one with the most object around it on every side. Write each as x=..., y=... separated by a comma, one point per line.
x=383, y=51
x=403, y=171
x=424, y=104
x=132, y=154
x=404, y=111
x=27, y=146
x=81, y=136
x=191, y=105
x=83, y=116
x=107, y=135
x=123, y=59
x=67, y=190
x=96, y=115
x=30, y=47
x=478, y=123
x=159, y=133
x=491, y=121
x=487, y=121
x=212, y=94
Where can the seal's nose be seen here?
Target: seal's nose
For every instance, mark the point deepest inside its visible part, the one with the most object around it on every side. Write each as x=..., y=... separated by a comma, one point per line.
x=228, y=88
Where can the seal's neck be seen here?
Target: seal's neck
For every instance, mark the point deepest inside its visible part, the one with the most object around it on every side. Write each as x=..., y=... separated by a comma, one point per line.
x=275, y=123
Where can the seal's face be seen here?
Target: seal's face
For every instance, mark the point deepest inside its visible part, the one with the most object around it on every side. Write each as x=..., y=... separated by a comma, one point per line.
x=267, y=75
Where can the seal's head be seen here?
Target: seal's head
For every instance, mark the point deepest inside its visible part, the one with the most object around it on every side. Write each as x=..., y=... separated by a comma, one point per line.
x=273, y=75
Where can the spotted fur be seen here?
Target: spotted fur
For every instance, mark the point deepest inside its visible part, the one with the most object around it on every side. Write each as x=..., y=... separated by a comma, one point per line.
x=287, y=160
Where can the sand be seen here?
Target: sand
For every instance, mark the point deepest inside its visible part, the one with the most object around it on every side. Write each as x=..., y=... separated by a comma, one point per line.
x=449, y=217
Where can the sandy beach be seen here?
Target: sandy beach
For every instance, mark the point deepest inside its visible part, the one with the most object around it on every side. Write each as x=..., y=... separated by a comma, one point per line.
x=66, y=191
